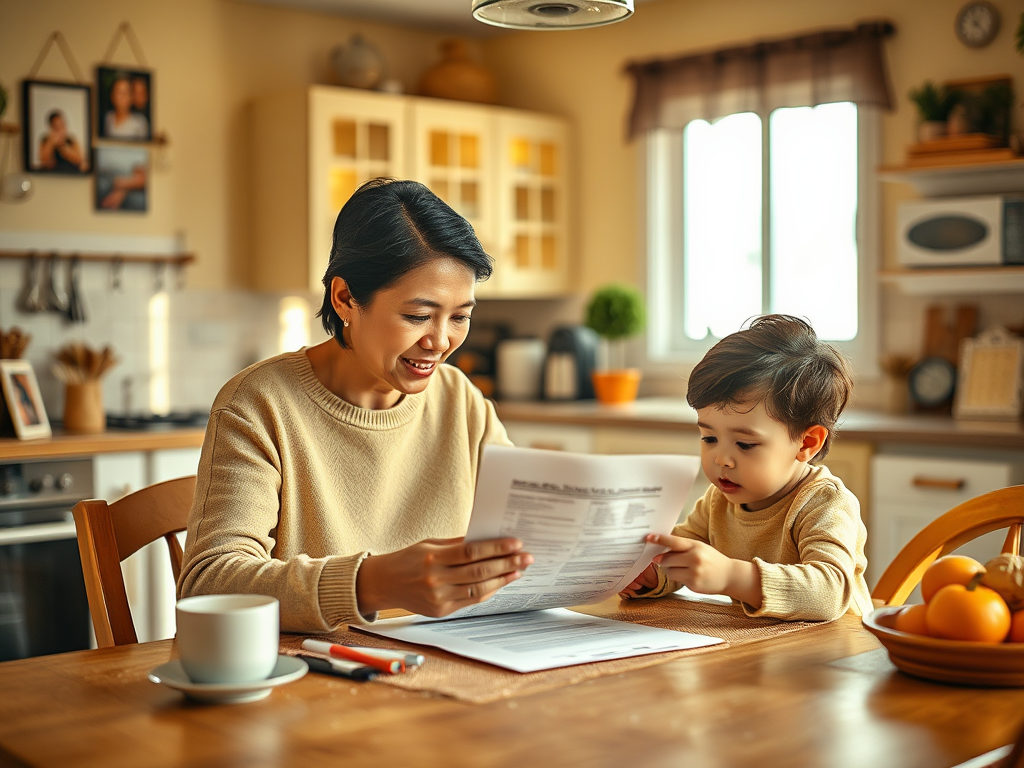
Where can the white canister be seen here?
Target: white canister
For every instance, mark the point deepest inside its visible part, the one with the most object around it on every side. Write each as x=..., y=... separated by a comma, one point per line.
x=520, y=363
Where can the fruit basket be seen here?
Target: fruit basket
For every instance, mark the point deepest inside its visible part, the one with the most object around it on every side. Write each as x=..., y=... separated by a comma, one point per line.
x=948, y=661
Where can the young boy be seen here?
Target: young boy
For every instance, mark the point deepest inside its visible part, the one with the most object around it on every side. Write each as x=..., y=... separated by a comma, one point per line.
x=775, y=531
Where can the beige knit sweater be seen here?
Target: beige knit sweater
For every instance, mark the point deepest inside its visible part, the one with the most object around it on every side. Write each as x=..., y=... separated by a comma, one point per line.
x=808, y=547
x=296, y=486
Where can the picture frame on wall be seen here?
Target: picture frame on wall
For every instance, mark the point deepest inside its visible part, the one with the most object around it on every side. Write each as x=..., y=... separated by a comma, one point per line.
x=57, y=122
x=23, y=400
x=124, y=99
x=122, y=179
x=990, y=383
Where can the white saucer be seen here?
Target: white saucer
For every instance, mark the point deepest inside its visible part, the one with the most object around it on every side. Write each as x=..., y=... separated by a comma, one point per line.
x=172, y=675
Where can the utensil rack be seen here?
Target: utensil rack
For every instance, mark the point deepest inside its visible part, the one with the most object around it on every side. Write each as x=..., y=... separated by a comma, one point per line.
x=177, y=259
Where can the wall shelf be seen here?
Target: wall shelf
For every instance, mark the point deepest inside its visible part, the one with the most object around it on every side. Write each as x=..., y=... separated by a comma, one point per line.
x=144, y=258
x=963, y=179
x=953, y=281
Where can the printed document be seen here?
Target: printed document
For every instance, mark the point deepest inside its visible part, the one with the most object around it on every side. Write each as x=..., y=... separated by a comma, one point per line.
x=584, y=518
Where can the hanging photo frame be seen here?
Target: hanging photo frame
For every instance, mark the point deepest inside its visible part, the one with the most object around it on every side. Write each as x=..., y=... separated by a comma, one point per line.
x=991, y=376
x=124, y=99
x=122, y=175
x=57, y=126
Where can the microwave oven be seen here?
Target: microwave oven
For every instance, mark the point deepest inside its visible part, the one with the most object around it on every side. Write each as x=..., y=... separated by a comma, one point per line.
x=962, y=231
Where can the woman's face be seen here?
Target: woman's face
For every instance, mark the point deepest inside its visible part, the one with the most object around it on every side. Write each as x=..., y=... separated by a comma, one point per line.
x=409, y=328
x=120, y=96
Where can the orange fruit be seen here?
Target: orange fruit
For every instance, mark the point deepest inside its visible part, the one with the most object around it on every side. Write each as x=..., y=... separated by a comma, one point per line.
x=951, y=569
x=912, y=619
x=973, y=613
x=1016, y=628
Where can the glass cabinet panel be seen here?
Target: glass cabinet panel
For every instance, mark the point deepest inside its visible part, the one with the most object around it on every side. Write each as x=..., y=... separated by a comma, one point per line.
x=343, y=184
x=379, y=140
x=439, y=148
x=522, y=203
x=469, y=151
x=548, y=159
x=547, y=205
x=345, y=138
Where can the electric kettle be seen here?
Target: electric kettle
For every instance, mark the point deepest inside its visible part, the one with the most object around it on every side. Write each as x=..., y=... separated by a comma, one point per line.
x=571, y=358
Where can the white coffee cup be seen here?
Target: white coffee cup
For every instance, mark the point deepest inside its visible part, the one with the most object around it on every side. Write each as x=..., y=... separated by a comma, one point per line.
x=228, y=638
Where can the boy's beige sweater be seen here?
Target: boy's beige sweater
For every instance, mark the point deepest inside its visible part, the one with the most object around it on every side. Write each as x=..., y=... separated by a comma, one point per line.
x=296, y=486
x=808, y=547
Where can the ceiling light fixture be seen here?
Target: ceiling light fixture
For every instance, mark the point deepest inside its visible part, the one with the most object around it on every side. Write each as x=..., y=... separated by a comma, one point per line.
x=551, y=14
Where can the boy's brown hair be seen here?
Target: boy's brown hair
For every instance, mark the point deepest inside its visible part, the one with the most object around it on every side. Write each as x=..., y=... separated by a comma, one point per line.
x=779, y=361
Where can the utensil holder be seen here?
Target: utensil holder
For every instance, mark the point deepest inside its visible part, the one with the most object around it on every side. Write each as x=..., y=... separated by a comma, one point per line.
x=83, y=407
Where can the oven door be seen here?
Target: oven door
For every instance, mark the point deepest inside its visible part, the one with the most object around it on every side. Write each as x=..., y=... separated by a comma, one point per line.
x=43, y=605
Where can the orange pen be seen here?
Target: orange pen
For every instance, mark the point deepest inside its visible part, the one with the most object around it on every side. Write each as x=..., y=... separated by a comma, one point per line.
x=344, y=652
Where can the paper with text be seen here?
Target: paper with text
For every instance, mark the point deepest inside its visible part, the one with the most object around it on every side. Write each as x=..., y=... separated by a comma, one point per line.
x=536, y=640
x=584, y=519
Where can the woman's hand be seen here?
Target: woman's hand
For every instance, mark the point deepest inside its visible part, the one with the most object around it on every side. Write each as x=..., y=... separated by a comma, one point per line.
x=436, y=577
x=646, y=581
x=704, y=569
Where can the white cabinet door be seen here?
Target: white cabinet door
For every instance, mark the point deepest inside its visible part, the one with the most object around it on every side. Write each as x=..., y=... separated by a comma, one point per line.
x=912, y=491
x=553, y=437
x=169, y=464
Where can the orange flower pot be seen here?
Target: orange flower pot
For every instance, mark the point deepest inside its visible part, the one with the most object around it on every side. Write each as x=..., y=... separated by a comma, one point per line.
x=619, y=386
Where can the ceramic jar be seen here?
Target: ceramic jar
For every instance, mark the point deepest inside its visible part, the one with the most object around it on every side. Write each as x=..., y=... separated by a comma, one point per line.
x=358, y=64
x=458, y=77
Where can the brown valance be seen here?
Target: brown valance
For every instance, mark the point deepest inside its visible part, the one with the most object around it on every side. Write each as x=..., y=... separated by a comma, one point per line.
x=819, y=68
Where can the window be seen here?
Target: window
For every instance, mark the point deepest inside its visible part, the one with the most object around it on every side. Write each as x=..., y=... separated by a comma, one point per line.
x=748, y=216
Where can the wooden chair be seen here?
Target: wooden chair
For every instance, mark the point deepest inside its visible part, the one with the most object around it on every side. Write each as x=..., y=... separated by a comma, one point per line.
x=109, y=533
x=973, y=518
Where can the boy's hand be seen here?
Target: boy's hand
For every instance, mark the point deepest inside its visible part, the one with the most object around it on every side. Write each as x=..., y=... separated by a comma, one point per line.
x=704, y=569
x=647, y=580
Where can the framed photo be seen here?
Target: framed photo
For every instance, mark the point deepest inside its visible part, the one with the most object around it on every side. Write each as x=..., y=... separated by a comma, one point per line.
x=124, y=99
x=991, y=378
x=21, y=392
x=57, y=127
x=122, y=179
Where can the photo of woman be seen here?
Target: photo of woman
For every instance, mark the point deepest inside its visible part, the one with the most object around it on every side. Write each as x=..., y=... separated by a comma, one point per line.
x=57, y=137
x=121, y=174
x=123, y=98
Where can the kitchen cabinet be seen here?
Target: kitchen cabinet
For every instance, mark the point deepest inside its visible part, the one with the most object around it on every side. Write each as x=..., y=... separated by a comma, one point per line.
x=912, y=490
x=506, y=171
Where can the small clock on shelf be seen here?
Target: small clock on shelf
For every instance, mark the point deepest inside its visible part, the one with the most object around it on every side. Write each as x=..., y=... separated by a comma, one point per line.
x=931, y=383
x=977, y=23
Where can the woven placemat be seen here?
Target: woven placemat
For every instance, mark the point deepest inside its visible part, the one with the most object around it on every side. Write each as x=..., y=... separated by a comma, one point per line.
x=474, y=681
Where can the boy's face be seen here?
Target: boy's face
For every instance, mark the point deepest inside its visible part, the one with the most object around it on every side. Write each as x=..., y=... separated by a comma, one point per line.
x=750, y=456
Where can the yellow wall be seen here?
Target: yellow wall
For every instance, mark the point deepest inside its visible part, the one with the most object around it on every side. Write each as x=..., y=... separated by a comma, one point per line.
x=209, y=57
x=580, y=74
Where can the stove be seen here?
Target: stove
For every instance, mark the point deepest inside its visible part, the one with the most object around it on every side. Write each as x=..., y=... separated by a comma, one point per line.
x=156, y=422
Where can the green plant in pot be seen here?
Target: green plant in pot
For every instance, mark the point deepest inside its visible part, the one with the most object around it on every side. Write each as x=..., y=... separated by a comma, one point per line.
x=616, y=312
x=934, y=105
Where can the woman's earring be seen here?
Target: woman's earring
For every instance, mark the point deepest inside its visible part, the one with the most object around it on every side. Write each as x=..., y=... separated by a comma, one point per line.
x=344, y=322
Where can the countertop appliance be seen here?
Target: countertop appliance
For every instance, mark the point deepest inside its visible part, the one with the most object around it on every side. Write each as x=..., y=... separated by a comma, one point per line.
x=961, y=231
x=519, y=364
x=571, y=357
x=43, y=605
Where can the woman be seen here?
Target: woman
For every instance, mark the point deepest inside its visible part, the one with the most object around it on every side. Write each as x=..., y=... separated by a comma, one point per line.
x=121, y=122
x=327, y=473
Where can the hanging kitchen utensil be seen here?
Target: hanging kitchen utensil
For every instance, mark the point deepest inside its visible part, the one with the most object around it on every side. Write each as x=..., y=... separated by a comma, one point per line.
x=55, y=300
x=32, y=296
x=116, y=273
x=76, y=307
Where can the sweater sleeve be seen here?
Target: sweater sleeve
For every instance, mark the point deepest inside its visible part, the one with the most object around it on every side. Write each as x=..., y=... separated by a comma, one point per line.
x=695, y=526
x=822, y=586
x=232, y=527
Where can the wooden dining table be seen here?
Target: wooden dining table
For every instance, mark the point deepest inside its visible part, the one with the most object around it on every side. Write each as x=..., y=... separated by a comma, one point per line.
x=823, y=696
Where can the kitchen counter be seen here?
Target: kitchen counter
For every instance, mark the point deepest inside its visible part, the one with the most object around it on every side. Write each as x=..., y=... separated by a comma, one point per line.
x=63, y=445
x=868, y=426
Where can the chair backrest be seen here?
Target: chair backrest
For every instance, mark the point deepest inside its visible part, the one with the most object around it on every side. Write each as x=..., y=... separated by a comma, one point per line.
x=109, y=533
x=973, y=518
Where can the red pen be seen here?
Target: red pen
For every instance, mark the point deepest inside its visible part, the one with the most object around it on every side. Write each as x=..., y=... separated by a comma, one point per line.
x=344, y=652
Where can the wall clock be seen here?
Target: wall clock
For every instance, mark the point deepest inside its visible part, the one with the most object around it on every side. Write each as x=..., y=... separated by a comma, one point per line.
x=977, y=23
x=932, y=381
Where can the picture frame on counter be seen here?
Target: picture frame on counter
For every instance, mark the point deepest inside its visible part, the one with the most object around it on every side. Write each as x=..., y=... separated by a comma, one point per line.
x=23, y=400
x=57, y=135
x=990, y=382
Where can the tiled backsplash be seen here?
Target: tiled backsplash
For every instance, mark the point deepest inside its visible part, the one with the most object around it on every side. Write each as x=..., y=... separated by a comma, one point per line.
x=211, y=335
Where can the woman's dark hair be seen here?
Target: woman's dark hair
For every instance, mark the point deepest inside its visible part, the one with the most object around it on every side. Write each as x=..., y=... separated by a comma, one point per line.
x=387, y=229
x=779, y=361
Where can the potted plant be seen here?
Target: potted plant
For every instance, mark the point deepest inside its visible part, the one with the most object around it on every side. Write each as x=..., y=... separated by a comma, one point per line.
x=934, y=105
x=615, y=312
